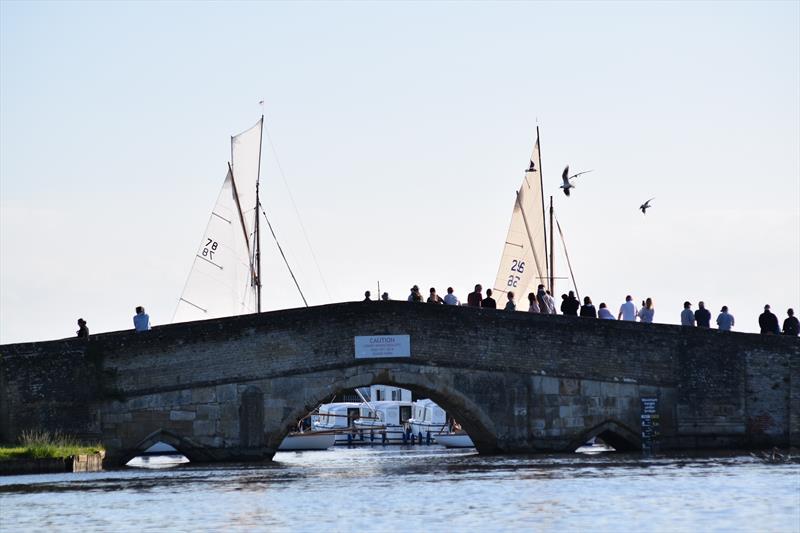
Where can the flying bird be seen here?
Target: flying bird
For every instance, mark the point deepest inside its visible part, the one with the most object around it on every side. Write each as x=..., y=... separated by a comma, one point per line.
x=565, y=177
x=645, y=206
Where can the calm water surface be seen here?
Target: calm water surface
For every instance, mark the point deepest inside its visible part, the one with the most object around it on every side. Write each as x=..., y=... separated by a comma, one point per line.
x=417, y=489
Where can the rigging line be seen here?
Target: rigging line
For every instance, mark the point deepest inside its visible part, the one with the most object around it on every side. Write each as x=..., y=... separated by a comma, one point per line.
x=283, y=255
x=566, y=254
x=297, y=212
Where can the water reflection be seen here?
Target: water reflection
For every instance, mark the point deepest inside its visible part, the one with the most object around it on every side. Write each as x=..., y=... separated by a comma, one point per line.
x=418, y=488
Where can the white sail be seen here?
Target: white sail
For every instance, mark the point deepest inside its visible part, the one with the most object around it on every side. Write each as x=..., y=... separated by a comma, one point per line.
x=246, y=160
x=220, y=282
x=523, y=264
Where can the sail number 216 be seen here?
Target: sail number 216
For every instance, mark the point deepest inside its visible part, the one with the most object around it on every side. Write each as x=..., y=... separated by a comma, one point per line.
x=516, y=266
x=210, y=248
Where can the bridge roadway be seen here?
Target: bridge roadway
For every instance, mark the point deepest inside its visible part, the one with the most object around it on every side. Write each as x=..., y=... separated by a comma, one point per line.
x=229, y=389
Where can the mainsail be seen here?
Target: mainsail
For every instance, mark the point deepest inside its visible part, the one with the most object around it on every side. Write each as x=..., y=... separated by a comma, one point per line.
x=523, y=264
x=223, y=280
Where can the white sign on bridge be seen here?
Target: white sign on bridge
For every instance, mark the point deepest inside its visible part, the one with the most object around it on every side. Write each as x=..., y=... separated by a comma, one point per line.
x=383, y=346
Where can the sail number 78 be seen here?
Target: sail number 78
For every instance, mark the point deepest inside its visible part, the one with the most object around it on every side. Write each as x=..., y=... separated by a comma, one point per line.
x=516, y=266
x=209, y=248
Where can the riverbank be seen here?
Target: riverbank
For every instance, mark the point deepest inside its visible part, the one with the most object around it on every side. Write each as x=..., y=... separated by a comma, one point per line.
x=40, y=452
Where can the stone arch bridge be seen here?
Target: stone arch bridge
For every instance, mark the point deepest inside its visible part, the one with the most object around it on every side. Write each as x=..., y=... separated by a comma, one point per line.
x=229, y=389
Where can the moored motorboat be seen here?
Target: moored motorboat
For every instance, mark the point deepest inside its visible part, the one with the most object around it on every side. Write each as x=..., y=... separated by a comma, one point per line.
x=307, y=440
x=455, y=440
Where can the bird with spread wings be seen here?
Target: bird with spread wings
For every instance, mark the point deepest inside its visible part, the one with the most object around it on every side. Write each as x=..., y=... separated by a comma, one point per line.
x=565, y=177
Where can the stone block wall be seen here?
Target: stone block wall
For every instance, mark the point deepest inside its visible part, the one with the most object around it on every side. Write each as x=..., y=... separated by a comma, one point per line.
x=516, y=381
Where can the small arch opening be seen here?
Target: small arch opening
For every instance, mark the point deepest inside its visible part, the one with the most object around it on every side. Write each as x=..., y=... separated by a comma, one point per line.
x=162, y=449
x=159, y=455
x=609, y=436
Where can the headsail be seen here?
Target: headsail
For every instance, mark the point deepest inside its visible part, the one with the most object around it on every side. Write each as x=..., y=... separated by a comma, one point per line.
x=523, y=264
x=220, y=282
x=223, y=279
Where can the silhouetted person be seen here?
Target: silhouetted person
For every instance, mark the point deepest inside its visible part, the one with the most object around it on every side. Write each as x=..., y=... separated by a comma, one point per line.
x=687, y=315
x=385, y=297
x=533, y=304
x=702, y=316
x=791, y=326
x=83, y=331
x=141, y=320
x=367, y=295
x=725, y=320
x=474, y=299
x=434, y=298
x=489, y=302
x=570, y=304
x=510, y=305
x=587, y=309
x=768, y=322
x=415, y=296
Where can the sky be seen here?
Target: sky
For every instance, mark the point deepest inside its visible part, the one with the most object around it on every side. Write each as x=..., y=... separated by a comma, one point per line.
x=398, y=133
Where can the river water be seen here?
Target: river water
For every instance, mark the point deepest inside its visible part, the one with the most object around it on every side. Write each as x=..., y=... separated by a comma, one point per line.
x=417, y=489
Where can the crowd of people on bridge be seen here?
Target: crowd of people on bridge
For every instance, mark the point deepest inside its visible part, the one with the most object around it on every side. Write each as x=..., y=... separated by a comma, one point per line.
x=542, y=302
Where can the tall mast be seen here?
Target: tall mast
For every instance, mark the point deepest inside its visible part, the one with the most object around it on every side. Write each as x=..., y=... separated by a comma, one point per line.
x=258, y=206
x=541, y=190
x=552, y=257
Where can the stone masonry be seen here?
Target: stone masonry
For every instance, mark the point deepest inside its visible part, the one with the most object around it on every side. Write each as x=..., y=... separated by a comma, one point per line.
x=229, y=389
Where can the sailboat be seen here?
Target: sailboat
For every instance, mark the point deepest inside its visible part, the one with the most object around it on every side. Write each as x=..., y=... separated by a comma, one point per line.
x=225, y=279
x=524, y=261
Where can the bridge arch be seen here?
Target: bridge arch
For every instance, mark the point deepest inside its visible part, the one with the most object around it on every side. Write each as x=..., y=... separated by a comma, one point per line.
x=614, y=433
x=473, y=417
x=187, y=447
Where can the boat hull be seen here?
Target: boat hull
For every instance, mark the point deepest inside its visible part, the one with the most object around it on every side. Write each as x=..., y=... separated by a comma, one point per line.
x=309, y=440
x=455, y=440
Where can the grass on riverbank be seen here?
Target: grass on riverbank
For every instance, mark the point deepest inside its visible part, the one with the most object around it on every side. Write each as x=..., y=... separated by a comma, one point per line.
x=43, y=445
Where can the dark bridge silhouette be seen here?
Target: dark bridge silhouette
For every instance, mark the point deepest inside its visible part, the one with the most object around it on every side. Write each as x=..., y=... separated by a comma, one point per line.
x=229, y=389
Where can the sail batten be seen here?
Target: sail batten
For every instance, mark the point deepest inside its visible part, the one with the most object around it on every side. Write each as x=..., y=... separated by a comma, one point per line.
x=524, y=260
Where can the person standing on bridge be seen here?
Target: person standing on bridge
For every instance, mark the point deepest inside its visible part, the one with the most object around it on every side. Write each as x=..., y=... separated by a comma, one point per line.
x=533, y=305
x=141, y=320
x=451, y=298
x=725, y=320
x=415, y=296
x=702, y=316
x=489, y=302
x=791, y=326
x=570, y=304
x=367, y=295
x=434, y=298
x=768, y=322
x=510, y=305
x=474, y=299
x=627, y=311
x=587, y=309
x=547, y=306
x=687, y=315
x=603, y=313
x=83, y=331
x=647, y=312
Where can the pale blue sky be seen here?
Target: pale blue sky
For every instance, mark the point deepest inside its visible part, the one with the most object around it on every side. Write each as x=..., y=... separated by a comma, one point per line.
x=403, y=130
